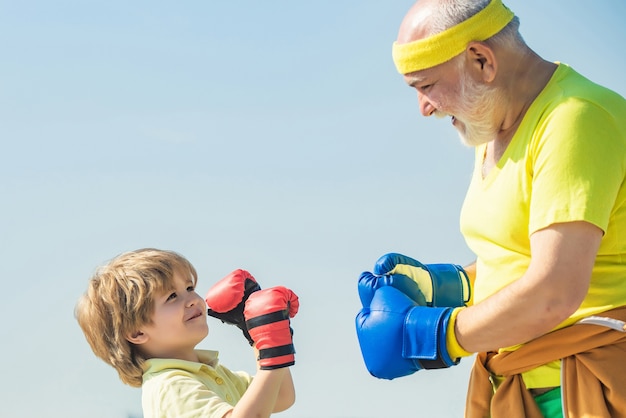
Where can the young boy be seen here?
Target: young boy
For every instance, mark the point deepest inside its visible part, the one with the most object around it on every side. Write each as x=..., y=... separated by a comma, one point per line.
x=142, y=316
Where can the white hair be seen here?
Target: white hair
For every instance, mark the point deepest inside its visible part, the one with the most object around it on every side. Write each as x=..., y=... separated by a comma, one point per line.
x=449, y=13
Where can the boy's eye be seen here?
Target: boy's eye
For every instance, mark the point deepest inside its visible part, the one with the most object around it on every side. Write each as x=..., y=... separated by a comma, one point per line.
x=191, y=288
x=171, y=296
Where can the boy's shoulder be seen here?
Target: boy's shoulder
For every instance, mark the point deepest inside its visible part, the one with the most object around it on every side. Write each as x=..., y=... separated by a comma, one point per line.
x=161, y=374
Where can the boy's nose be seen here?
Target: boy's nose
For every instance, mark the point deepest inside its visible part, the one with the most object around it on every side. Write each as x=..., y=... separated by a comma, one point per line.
x=193, y=299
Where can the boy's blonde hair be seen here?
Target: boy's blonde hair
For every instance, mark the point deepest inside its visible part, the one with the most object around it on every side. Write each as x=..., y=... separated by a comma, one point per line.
x=120, y=300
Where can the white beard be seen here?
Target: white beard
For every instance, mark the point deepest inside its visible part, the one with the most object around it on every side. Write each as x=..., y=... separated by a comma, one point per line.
x=478, y=103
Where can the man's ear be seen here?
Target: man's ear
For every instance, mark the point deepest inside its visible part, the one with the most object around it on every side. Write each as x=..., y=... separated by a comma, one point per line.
x=137, y=337
x=482, y=61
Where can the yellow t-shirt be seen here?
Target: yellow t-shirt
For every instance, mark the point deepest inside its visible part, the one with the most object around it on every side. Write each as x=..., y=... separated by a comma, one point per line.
x=185, y=389
x=566, y=162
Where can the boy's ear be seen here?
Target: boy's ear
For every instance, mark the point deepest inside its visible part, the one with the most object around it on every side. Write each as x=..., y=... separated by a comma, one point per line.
x=137, y=337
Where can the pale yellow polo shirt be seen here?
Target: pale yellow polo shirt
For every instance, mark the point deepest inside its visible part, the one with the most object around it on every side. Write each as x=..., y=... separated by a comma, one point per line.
x=186, y=389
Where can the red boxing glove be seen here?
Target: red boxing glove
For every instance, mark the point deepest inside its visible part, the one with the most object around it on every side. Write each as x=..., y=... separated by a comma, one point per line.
x=267, y=315
x=227, y=297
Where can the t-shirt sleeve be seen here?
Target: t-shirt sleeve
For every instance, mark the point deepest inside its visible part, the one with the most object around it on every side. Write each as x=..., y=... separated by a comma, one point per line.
x=577, y=166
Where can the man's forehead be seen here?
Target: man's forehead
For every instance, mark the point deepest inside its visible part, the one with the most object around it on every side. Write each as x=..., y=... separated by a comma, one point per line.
x=429, y=74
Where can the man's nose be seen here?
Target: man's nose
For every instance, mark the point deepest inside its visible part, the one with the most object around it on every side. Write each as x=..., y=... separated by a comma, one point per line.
x=426, y=107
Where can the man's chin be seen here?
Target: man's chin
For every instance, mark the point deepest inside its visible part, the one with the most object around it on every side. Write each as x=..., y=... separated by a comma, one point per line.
x=469, y=137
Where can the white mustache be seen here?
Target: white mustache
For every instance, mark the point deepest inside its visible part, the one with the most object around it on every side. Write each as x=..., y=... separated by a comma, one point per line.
x=439, y=114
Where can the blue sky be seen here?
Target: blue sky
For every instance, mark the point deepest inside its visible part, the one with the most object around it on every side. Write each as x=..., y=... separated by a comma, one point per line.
x=275, y=137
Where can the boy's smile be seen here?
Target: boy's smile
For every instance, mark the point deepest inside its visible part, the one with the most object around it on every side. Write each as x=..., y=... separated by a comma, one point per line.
x=197, y=314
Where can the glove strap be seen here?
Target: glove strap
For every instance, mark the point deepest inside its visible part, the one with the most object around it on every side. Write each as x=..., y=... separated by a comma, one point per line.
x=450, y=285
x=425, y=337
x=283, y=350
x=267, y=319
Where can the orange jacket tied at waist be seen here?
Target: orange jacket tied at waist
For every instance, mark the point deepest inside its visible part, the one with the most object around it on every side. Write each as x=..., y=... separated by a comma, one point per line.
x=593, y=373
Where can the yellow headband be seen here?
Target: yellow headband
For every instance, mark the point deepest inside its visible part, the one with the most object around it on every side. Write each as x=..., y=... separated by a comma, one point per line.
x=443, y=46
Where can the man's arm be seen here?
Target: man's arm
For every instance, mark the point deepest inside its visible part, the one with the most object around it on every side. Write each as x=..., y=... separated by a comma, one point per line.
x=553, y=287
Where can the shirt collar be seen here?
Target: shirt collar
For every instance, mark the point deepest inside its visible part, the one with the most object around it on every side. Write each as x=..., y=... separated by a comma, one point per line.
x=207, y=358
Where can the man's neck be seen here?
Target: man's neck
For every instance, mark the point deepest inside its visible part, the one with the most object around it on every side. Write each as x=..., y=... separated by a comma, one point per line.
x=525, y=77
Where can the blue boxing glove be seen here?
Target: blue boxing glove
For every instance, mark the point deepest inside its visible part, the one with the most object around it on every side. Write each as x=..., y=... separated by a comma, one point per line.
x=369, y=283
x=440, y=284
x=397, y=336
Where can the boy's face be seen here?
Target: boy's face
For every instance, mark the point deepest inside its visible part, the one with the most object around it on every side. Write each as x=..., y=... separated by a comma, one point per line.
x=178, y=322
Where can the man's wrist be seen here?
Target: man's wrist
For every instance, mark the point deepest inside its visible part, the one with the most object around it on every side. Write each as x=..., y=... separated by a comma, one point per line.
x=452, y=344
